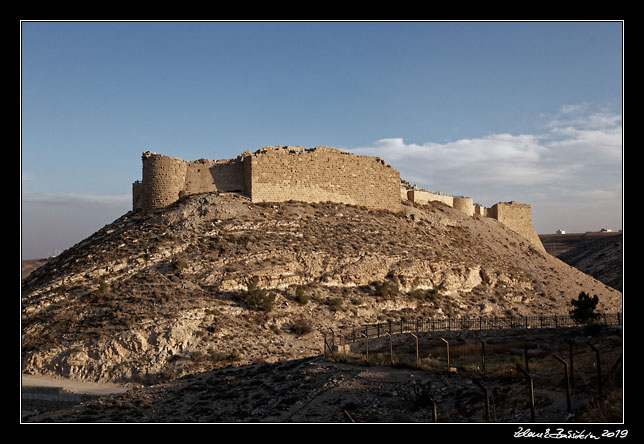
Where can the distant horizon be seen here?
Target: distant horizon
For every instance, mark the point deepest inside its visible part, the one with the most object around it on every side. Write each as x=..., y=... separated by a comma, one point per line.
x=496, y=111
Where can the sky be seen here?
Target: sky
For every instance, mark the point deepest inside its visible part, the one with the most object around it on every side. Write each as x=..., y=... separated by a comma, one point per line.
x=496, y=111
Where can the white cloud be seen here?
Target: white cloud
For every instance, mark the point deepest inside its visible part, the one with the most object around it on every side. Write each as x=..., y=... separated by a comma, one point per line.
x=576, y=158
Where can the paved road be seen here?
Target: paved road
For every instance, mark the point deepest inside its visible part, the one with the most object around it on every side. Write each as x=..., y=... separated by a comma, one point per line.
x=89, y=388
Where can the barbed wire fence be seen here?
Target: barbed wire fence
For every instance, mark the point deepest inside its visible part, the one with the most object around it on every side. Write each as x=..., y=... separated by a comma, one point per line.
x=340, y=341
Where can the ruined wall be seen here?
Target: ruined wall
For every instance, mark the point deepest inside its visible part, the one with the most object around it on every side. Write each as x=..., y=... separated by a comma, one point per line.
x=423, y=197
x=323, y=174
x=517, y=217
x=204, y=176
x=480, y=210
x=272, y=174
x=137, y=189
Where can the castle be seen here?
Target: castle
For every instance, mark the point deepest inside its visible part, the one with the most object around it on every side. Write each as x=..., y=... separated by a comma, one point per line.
x=320, y=174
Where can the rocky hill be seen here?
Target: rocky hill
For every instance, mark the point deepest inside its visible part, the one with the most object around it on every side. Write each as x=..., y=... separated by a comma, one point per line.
x=214, y=279
x=602, y=259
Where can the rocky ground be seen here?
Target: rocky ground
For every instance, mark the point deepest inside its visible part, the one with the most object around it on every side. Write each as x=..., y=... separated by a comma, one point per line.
x=152, y=298
x=309, y=390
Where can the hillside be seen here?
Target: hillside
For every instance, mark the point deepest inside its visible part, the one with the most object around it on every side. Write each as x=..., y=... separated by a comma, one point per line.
x=152, y=297
x=29, y=265
x=601, y=259
x=598, y=254
x=558, y=244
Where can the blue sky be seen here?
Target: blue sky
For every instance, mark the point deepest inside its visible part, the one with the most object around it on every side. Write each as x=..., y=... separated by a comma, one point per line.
x=525, y=111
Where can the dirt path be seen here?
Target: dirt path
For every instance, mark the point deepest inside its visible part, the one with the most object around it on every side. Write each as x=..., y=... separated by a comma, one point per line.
x=89, y=388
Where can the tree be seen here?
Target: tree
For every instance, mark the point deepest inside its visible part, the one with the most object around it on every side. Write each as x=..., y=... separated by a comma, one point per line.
x=584, y=308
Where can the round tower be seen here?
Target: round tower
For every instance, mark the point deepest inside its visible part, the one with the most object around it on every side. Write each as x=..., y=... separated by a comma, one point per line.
x=464, y=204
x=163, y=179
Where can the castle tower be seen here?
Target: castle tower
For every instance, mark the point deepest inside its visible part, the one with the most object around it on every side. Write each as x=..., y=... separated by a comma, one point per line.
x=517, y=217
x=163, y=179
x=464, y=204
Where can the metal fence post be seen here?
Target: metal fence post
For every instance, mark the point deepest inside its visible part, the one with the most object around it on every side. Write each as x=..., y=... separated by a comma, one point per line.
x=567, y=381
x=324, y=346
x=599, y=370
x=571, y=367
x=434, y=411
x=417, y=355
x=482, y=356
x=486, y=394
x=447, y=344
x=391, y=349
x=366, y=346
x=531, y=387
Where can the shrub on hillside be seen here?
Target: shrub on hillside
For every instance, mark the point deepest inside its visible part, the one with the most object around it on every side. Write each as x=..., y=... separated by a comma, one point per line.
x=301, y=297
x=335, y=303
x=424, y=295
x=584, y=308
x=301, y=327
x=386, y=288
x=258, y=298
x=179, y=264
x=103, y=287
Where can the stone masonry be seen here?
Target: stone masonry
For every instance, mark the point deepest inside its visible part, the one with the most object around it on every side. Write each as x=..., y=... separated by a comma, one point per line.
x=320, y=174
x=323, y=174
x=517, y=217
x=273, y=174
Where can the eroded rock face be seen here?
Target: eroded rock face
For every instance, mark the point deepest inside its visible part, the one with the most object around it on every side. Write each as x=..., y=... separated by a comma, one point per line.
x=156, y=296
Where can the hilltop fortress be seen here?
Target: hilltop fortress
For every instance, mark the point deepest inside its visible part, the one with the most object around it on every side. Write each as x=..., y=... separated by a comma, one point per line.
x=320, y=174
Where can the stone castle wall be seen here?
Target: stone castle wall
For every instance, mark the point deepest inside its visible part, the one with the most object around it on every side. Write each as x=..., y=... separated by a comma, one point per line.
x=464, y=204
x=517, y=217
x=204, y=176
x=323, y=174
x=163, y=179
x=272, y=174
x=480, y=210
x=423, y=197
